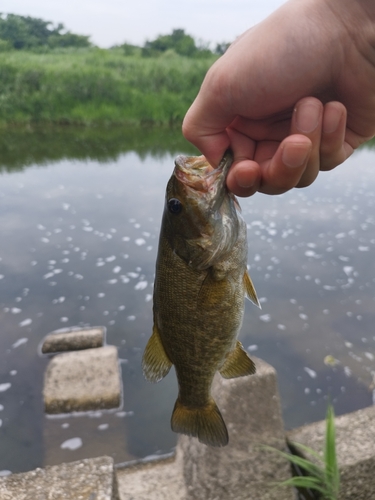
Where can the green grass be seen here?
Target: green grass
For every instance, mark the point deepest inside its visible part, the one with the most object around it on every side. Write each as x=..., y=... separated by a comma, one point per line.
x=321, y=473
x=90, y=86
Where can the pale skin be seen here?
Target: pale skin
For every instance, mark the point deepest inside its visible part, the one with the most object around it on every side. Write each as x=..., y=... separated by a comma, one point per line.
x=292, y=96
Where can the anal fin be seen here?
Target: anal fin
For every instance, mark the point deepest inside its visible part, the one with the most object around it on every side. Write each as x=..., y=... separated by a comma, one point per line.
x=250, y=290
x=237, y=363
x=155, y=362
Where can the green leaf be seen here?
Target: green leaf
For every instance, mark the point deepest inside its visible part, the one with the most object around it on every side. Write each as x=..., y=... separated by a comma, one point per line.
x=304, y=463
x=324, y=478
x=332, y=473
x=309, y=450
x=311, y=483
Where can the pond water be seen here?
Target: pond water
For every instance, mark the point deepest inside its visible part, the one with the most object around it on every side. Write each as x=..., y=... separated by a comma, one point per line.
x=80, y=214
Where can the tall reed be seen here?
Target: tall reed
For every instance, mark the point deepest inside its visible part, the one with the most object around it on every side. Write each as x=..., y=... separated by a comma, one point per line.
x=97, y=86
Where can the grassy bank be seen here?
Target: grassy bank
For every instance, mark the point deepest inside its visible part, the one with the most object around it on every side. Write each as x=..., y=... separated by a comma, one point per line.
x=91, y=86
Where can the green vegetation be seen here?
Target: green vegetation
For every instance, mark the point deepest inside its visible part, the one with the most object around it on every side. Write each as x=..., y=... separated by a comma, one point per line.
x=88, y=86
x=320, y=474
x=20, y=32
x=179, y=42
x=49, y=75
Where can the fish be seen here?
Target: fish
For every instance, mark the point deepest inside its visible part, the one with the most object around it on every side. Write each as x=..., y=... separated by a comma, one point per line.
x=201, y=281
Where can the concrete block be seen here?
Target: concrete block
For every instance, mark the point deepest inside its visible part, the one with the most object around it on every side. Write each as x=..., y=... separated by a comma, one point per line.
x=355, y=447
x=90, y=479
x=83, y=380
x=159, y=479
x=243, y=470
x=73, y=339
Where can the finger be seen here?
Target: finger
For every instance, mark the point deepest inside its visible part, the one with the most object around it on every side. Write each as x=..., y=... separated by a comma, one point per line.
x=307, y=120
x=212, y=143
x=275, y=128
x=206, y=121
x=244, y=176
x=333, y=148
x=287, y=166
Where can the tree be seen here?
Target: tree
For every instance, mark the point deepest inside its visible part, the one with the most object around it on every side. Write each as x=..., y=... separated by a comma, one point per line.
x=25, y=32
x=178, y=41
x=221, y=48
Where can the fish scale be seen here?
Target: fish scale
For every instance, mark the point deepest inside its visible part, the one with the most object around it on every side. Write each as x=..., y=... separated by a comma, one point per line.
x=201, y=281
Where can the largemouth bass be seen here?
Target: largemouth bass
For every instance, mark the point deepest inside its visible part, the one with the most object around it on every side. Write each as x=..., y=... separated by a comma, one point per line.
x=200, y=284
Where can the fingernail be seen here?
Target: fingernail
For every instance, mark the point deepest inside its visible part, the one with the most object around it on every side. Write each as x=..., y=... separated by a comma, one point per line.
x=244, y=181
x=307, y=118
x=331, y=121
x=294, y=155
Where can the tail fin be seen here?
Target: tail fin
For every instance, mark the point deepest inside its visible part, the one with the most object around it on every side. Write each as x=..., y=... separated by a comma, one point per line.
x=205, y=423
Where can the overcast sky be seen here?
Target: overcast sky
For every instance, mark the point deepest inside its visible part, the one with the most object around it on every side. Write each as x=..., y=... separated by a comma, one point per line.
x=111, y=22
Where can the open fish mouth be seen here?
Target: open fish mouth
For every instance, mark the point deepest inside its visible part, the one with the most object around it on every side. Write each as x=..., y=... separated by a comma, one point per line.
x=197, y=173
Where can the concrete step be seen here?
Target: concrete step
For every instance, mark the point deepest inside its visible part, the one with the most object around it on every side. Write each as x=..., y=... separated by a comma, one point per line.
x=89, y=479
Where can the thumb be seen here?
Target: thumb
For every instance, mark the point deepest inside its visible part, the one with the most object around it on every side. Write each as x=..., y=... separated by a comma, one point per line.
x=205, y=126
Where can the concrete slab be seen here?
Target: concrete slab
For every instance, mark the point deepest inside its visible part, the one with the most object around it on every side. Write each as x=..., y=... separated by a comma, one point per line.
x=355, y=447
x=242, y=470
x=83, y=380
x=73, y=339
x=154, y=480
x=91, y=479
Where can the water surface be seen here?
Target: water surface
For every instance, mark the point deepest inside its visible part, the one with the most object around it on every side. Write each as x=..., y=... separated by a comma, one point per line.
x=80, y=214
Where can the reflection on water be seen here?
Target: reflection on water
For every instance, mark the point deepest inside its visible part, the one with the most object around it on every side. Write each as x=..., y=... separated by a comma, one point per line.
x=80, y=215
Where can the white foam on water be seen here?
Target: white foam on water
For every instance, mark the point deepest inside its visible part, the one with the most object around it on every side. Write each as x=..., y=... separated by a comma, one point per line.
x=141, y=285
x=103, y=427
x=19, y=342
x=266, y=318
x=133, y=275
x=310, y=372
x=25, y=322
x=72, y=444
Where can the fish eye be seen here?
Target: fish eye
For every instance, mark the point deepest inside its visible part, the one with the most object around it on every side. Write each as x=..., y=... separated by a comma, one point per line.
x=174, y=206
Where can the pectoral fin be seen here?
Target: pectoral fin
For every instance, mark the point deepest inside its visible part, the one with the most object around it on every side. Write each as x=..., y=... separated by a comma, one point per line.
x=237, y=363
x=250, y=290
x=155, y=362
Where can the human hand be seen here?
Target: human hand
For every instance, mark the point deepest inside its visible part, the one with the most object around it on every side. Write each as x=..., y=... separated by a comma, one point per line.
x=257, y=100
